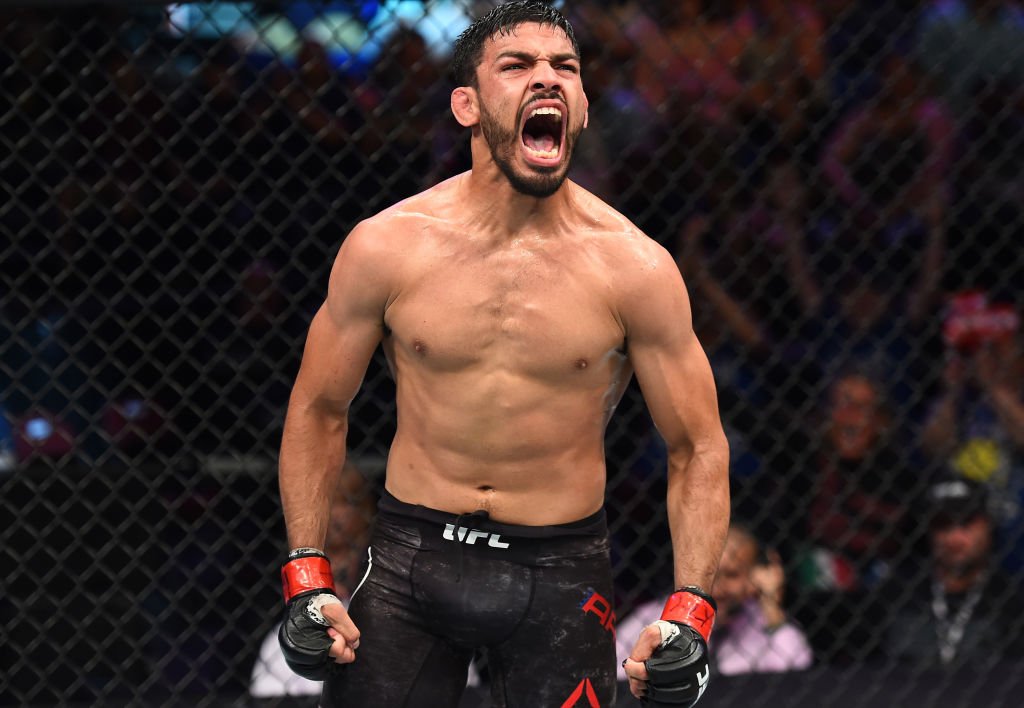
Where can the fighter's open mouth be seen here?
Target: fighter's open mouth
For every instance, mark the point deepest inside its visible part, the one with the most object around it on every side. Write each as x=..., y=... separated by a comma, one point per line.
x=542, y=132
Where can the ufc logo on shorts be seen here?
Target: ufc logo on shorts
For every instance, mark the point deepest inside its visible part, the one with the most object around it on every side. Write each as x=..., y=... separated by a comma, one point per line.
x=470, y=536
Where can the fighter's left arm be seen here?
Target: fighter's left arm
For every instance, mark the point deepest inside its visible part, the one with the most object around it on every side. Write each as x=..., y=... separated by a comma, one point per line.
x=675, y=377
x=669, y=662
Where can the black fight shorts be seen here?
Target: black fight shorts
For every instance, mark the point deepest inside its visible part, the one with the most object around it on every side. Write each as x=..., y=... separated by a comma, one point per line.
x=536, y=602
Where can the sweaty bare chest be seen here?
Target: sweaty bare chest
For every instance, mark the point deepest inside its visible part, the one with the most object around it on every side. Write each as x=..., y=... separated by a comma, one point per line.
x=519, y=310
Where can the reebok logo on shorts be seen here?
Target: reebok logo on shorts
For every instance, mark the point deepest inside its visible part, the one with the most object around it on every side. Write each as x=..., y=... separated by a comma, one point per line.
x=471, y=536
x=584, y=685
x=595, y=603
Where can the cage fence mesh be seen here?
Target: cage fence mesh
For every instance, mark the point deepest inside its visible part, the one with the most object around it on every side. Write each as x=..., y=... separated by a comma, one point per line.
x=839, y=183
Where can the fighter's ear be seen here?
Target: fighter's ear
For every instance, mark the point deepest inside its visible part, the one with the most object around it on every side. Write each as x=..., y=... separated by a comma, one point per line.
x=586, y=111
x=466, y=106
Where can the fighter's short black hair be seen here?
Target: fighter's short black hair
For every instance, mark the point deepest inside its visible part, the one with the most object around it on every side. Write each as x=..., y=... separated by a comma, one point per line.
x=503, y=19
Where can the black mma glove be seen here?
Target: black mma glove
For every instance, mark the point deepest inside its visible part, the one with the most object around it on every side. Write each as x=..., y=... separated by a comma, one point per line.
x=308, y=586
x=678, y=669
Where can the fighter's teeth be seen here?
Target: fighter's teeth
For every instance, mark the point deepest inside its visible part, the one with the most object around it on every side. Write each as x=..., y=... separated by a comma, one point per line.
x=547, y=111
x=543, y=153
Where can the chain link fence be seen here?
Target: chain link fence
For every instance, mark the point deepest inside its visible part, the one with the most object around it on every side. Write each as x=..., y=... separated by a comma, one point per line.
x=839, y=181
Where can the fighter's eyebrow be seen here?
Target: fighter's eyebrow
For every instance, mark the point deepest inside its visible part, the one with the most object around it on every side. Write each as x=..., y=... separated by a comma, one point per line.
x=527, y=56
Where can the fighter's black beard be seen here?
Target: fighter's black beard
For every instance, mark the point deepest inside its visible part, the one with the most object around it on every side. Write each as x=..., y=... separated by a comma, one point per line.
x=503, y=143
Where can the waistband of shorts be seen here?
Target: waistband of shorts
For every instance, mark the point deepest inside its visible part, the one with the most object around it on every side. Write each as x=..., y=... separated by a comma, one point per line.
x=594, y=525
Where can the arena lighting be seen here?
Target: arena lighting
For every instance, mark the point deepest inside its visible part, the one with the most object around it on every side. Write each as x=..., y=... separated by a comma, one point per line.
x=439, y=23
x=38, y=429
x=40, y=435
x=270, y=37
x=353, y=34
x=209, y=20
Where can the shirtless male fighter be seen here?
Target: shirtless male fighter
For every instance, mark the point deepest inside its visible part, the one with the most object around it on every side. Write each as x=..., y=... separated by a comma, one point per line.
x=513, y=307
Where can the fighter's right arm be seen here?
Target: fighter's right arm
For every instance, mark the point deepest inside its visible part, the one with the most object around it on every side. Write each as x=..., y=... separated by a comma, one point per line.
x=341, y=340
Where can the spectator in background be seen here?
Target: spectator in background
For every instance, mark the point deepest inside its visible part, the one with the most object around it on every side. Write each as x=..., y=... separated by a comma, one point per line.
x=976, y=424
x=352, y=509
x=891, y=154
x=733, y=253
x=859, y=520
x=962, y=609
x=968, y=44
x=249, y=351
x=858, y=34
x=781, y=67
x=317, y=139
x=688, y=54
x=660, y=108
x=974, y=52
x=621, y=121
x=867, y=290
x=752, y=632
x=405, y=81
x=319, y=97
x=852, y=502
x=222, y=116
x=126, y=133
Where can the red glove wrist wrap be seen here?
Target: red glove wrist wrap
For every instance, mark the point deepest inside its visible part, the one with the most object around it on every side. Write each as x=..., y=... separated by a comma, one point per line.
x=308, y=573
x=690, y=609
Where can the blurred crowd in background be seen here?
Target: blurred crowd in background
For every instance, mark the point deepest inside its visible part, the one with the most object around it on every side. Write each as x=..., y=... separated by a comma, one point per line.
x=839, y=182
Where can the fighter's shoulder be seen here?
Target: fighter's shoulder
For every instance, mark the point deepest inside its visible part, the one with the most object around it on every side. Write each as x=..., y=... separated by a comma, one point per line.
x=395, y=229
x=632, y=251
